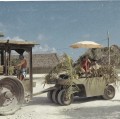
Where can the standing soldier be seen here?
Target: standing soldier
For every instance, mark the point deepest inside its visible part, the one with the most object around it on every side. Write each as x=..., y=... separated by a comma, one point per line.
x=23, y=67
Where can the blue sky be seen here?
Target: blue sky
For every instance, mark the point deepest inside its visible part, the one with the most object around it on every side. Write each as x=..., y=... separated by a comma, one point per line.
x=56, y=25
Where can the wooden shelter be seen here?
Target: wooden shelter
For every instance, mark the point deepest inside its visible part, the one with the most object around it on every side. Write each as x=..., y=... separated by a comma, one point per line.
x=6, y=46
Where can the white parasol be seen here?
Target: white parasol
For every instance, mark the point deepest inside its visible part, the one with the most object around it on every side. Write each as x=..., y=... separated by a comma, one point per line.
x=86, y=44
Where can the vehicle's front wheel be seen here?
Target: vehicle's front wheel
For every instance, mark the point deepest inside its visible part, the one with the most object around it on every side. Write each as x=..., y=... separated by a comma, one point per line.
x=55, y=95
x=63, y=99
x=49, y=95
x=109, y=92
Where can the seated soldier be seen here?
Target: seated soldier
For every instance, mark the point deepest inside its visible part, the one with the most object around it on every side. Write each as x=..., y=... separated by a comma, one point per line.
x=94, y=67
x=85, y=65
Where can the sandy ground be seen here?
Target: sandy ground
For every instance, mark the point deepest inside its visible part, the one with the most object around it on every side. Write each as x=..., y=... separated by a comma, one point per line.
x=90, y=108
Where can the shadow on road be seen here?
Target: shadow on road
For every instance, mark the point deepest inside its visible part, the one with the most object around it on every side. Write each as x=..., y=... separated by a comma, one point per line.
x=104, y=112
x=41, y=101
x=84, y=100
x=46, y=101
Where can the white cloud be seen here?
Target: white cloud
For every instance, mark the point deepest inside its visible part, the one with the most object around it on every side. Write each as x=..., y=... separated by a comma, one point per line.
x=17, y=38
x=41, y=37
x=54, y=50
x=43, y=49
x=7, y=38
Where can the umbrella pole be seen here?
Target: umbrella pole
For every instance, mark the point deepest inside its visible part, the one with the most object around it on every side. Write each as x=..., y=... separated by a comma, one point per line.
x=108, y=48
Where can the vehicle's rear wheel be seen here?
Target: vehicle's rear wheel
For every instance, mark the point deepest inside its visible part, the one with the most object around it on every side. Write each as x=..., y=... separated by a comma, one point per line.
x=49, y=95
x=63, y=99
x=55, y=95
x=109, y=92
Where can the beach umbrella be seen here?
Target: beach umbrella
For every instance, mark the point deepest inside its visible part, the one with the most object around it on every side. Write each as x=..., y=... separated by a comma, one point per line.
x=86, y=44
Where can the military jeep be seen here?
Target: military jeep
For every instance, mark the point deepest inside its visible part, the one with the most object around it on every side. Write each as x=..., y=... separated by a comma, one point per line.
x=69, y=84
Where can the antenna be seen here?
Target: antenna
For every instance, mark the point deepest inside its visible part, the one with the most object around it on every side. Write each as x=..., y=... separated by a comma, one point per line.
x=108, y=48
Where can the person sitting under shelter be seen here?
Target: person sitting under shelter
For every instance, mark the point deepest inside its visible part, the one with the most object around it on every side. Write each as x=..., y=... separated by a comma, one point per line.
x=23, y=67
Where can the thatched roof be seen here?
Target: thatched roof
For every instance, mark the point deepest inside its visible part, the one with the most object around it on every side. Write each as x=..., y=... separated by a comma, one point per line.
x=42, y=60
x=45, y=60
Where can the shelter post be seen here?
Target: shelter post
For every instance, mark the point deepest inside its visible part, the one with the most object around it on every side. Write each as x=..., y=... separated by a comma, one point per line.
x=5, y=62
x=30, y=73
x=9, y=61
x=2, y=57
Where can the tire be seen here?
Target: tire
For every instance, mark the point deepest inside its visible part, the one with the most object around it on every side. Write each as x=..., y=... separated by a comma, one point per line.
x=109, y=92
x=61, y=98
x=12, y=95
x=55, y=95
x=49, y=95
